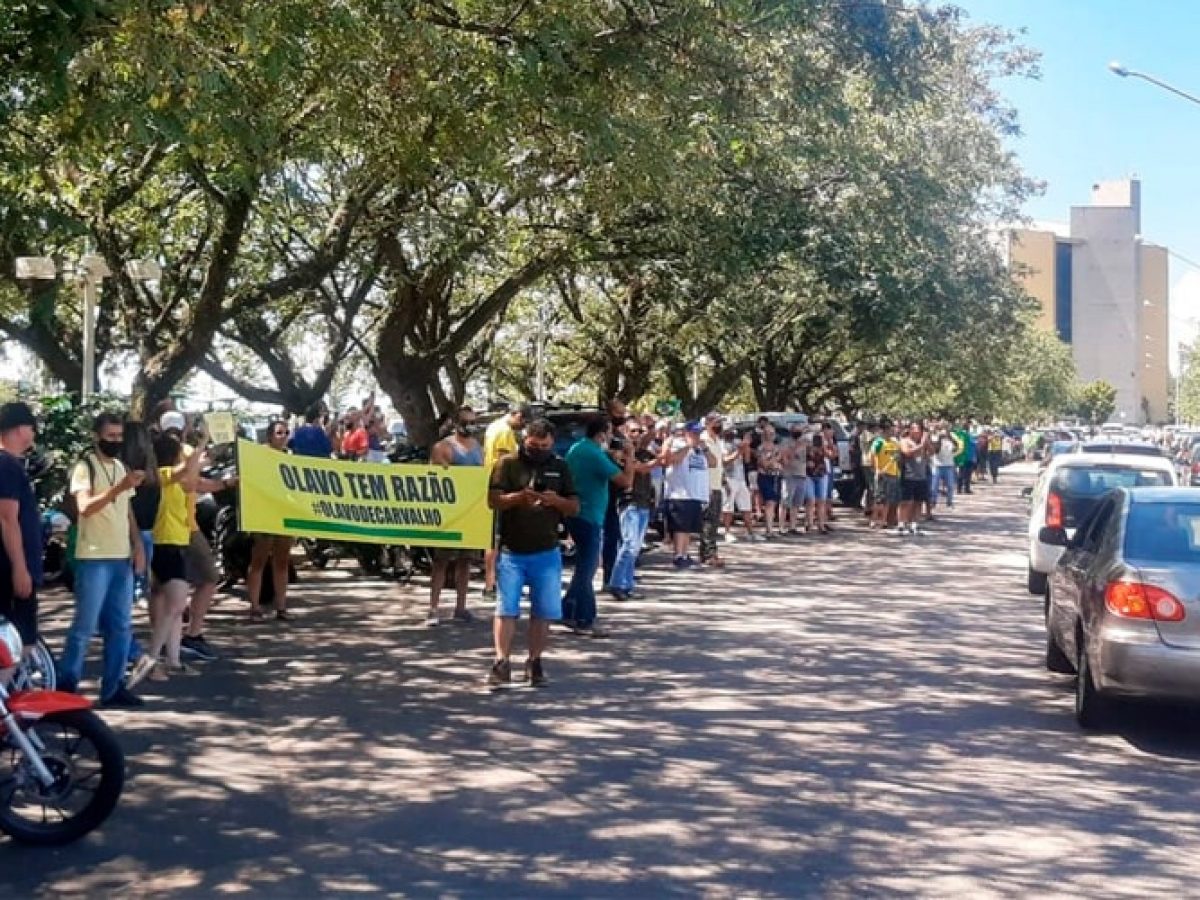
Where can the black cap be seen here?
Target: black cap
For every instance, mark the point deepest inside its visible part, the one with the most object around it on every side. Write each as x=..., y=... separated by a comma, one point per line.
x=14, y=415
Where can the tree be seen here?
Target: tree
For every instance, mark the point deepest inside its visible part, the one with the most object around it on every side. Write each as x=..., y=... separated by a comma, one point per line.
x=1097, y=402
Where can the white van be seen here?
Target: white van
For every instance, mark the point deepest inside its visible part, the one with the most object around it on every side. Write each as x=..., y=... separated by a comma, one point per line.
x=1068, y=489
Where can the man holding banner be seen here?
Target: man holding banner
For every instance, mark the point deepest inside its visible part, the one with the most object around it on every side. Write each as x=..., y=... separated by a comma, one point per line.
x=533, y=492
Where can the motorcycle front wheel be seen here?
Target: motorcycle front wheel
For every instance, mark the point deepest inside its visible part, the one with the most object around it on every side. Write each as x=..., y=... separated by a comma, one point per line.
x=88, y=767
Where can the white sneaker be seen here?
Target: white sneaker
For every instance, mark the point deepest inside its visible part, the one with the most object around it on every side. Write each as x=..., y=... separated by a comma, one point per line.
x=143, y=667
x=731, y=539
x=433, y=621
x=899, y=529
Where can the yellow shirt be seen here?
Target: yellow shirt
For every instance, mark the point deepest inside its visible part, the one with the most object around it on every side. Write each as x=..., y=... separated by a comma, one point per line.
x=886, y=452
x=105, y=534
x=499, y=440
x=171, y=524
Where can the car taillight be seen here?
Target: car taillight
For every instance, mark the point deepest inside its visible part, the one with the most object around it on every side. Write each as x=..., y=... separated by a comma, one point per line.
x=1054, y=511
x=1135, y=600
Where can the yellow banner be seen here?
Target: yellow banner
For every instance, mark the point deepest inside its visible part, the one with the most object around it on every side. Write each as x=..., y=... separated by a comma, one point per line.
x=429, y=506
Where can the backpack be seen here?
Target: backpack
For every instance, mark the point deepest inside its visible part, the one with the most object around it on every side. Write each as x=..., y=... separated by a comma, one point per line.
x=70, y=506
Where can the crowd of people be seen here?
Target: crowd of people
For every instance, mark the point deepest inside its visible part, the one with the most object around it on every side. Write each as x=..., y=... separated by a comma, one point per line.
x=707, y=480
x=702, y=483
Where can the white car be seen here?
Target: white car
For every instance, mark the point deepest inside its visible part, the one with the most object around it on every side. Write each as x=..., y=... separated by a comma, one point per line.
x=1068, y=489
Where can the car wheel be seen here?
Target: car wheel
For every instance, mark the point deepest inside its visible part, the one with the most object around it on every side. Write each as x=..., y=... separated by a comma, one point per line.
x=1091, y=707
x=1036, y=581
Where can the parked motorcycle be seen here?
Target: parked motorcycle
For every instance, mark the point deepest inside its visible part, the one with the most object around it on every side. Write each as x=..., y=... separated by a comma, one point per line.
x=61, y=767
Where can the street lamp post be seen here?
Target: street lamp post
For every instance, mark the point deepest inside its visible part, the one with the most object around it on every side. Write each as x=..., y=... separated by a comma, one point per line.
x=1125, y=72
x=92, y=270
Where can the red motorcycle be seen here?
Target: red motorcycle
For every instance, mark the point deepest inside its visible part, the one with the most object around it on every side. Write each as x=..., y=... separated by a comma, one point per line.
x=61, y=768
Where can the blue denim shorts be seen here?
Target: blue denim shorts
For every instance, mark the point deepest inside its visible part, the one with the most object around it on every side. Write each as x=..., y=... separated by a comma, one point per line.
x=817, y=488
x=541, y=572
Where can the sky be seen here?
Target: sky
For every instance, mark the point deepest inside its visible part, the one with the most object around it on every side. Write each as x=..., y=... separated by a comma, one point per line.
x=1082, y=124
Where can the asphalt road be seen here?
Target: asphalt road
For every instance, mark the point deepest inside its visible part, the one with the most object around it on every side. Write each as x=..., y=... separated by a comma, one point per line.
x=847, y=716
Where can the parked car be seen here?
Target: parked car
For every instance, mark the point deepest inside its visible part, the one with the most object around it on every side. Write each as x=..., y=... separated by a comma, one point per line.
x=1057, y=449
x=1136, y=448
x=1070, y=487
x=1123, y=608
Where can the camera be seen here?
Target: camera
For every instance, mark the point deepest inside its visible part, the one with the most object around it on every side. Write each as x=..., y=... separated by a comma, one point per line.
x=616, y=444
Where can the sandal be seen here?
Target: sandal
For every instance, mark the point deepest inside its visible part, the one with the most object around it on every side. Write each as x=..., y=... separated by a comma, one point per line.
x=256, y=614
x=282, y=615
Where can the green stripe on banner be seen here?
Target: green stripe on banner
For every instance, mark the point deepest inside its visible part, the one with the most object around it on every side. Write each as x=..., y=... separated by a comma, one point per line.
x=370, y=531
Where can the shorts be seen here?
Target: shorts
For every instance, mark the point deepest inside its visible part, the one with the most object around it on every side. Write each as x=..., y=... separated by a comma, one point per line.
x=914, y=490
x=541, y=573
x=887, y=489
x=21, y=612
x=200, y=566
x=768, y=486
x=685, y=516
x=795, y=490
x=169, y=563
x=737, y=497
x=752, y=480
x=818, y=488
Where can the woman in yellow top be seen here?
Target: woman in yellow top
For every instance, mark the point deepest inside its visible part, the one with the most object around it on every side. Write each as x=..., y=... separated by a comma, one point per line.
x=172, y=533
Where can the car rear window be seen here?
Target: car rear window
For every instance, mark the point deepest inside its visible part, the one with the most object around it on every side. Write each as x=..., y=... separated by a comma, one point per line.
x=1082, y=487
x=1163, y=533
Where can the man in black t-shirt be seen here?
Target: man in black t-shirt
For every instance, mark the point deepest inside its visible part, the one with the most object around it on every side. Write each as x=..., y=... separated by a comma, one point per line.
x=20, y=525
x=532, y=492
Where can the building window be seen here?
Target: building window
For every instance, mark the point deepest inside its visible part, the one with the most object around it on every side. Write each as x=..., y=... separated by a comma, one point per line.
x=1062, y=291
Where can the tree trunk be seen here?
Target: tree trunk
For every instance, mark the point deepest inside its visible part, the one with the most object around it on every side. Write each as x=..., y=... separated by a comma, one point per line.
x=407, y=381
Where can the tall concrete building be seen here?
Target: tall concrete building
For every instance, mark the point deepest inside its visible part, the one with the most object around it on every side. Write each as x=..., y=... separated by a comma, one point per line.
x=1103, y=291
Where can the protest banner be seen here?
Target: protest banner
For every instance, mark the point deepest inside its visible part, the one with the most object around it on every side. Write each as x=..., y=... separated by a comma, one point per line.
x=430, y=506
x=221, y=427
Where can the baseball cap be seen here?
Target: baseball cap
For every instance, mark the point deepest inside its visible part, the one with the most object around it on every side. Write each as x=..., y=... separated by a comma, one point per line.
x=679, y=426
x=172, y=420
x=694, y=426
x=713, y=416
x=14, y=415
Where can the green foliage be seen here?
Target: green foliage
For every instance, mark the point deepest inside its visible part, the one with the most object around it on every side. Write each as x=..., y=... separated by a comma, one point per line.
x=1097, y=401
x=781, y=204
x=64, y=433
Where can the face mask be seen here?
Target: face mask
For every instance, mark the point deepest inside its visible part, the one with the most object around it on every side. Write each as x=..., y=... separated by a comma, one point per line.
x=111, y=449
x=534, y=457
x=465, y=429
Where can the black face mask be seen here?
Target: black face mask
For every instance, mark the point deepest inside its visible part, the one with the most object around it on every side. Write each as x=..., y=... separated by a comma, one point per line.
x=535, y=457
x=111, y=449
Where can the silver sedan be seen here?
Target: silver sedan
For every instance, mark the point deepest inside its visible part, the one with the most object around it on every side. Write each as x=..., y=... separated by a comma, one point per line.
x=1123, y=609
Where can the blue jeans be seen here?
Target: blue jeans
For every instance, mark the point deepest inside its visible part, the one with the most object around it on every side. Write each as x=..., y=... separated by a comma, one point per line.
x=634, y=521
x=141, y=582
x=943, y=475
x=579, y=603
x=104, y=601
